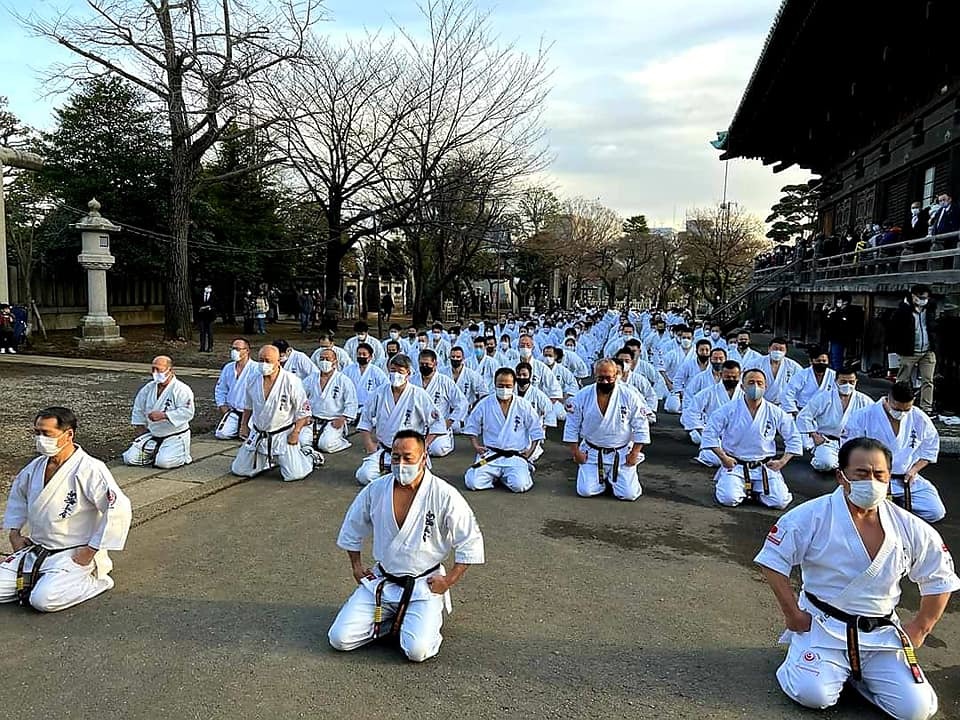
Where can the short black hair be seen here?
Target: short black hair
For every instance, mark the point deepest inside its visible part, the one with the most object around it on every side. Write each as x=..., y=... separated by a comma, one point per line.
x=361, y=326
x=777, y=340
x=243, y=340
x=863, y=443
x=505, y=371
x=720, y=350
x=525, y=366
x=816, y=351
x=457, y=347
x=558, y=352
x=65, y=417
x=409, y=434
x=703, y=341
x=387, y=345
x=920, y=289
x=281, y=345
x=844, y=296
x=731, y=365
x=847, y=370
x=401, y=361
x=623, y=350
x=326, y=336
x=368, y=347
x=427, y=353
x=752, y=371
x=902, y=392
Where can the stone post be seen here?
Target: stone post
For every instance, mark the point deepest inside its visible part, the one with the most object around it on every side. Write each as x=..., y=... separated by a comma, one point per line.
x=97, y=328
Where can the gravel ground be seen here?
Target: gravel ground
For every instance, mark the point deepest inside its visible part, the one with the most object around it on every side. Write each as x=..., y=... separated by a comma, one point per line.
x=102, y=401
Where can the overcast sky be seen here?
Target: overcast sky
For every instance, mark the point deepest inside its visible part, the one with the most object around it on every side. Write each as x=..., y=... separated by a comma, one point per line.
x=639, y=89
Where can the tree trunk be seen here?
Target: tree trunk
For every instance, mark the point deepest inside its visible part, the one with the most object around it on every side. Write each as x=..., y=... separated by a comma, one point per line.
x=178, y=316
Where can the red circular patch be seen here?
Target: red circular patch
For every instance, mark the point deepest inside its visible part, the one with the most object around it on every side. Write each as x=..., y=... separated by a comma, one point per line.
x=774, y=530
x=809, y=656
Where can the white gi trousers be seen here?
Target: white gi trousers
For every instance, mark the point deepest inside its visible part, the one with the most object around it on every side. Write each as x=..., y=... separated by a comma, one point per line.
x=625, y=487
x=672, y=404
x=253, y=457
x=330, y=440
x=374, y=465
x=420, y=636
x=695, y=437
x=442, y=445
x=925, y=501
x=173, y=452
x=731, y=487
x=826, y=457
x=513, y=472
x=559, y=412
x=229, y=426
x=62, y=583
x=814, y=677
x=708, y=458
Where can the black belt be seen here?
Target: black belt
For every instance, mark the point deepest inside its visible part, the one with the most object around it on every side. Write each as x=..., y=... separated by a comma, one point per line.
x=384, y=453
x=857, y=624
x=615, y=471
x=26, y=583
x=749, y=465
x=907, y=493
x=156, y=448
x=831, y=437
x=263, y=434
x=319, y=425
x=228, y=413
x=407, y=582
x=493, y=455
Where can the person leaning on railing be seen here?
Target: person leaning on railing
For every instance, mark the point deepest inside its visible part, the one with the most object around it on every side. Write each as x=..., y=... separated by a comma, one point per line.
x=912, y=335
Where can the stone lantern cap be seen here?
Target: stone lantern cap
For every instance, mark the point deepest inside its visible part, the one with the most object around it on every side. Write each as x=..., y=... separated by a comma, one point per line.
x=93, y=221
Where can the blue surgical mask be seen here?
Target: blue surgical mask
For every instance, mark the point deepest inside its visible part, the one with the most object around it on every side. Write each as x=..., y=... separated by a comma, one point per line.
x=754, y=392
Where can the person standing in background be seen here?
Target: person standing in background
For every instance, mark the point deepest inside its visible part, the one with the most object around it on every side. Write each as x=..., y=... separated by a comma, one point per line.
x=912, y=335
x=206, y=315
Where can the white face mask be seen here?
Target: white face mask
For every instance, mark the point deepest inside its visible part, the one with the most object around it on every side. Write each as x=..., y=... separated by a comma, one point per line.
x=266, y=368
x=866, y=494
x=325, y=366
x=397, y=379
x=405, y=474
x=839, y=303
x=846, y=388
x=526, y=353
x=48, y=446
x=914, y=211
x=234, y=355
x=920, y=302
x=394, y=335
x=715, y=335
x=777, y=355
x=685, y=343
x=549, y=360
x=505, y=345
x=504, y=393
x=159, y=378
x=896, y=414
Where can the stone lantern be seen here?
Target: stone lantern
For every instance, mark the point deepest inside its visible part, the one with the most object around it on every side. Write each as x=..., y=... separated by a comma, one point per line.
x=97, y=328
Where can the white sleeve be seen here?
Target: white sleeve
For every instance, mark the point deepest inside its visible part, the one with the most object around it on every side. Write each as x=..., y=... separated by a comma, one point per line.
x=789, y=400
x=139, y=415
x=691, y=417
x=855, y=425
x=553, y=389
x=248, y=395
x=474, y=424
x=792, y=441
x=460, y=525
x=710, y=438
x=357, y=524
x=640, y=425
x=221, y=391
x=783, y=548
x=183, y=410
x=115, y=509
x=571, y=427
x=368, y=418
x=932, y=564
x=459, y=405
x=15, y=516
x=350, y=404
x=534, y=425
x=929, y=443
x=806, y=419
x=299, y=398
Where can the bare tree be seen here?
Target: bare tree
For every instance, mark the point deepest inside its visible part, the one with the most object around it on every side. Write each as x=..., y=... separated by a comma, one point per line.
x=589, y=233
x=720, y=245
x=369, y=124
x=200, y=60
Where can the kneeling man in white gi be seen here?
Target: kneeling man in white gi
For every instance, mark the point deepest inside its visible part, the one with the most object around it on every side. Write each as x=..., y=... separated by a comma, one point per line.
x=416, y=519
x=915, y=443
x=231, y=389
x=505, y=431
x=853, y=548
x=825, y=416
x=394, y=406
x=75, y=512
x=162, y=412
x=333, y=402
x=743, y=434
x=606, y=430
x=278, y=410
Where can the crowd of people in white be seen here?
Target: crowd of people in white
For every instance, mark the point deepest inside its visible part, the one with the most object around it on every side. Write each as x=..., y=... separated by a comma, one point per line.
x=501, y=386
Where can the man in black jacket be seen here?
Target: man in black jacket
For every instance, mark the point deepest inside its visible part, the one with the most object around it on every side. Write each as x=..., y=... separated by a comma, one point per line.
x=912, y=335
x=946, y=219
x=843, y=324
x=917, y=223
x=206, y=305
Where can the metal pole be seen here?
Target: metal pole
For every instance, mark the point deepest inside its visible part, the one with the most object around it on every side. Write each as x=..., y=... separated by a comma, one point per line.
x=4, y=283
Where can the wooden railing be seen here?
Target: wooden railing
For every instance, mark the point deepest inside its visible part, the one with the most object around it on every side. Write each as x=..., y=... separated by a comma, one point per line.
x=933, y=254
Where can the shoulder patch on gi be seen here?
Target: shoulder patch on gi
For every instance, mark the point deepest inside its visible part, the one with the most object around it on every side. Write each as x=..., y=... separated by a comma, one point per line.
x=775, y=535
x=111, y=498
x=810, y=656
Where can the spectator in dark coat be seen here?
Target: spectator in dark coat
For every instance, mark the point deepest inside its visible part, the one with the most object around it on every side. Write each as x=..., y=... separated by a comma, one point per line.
x=912, y=334
x=946, y=219
x=918, y=222
x=843, y=324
